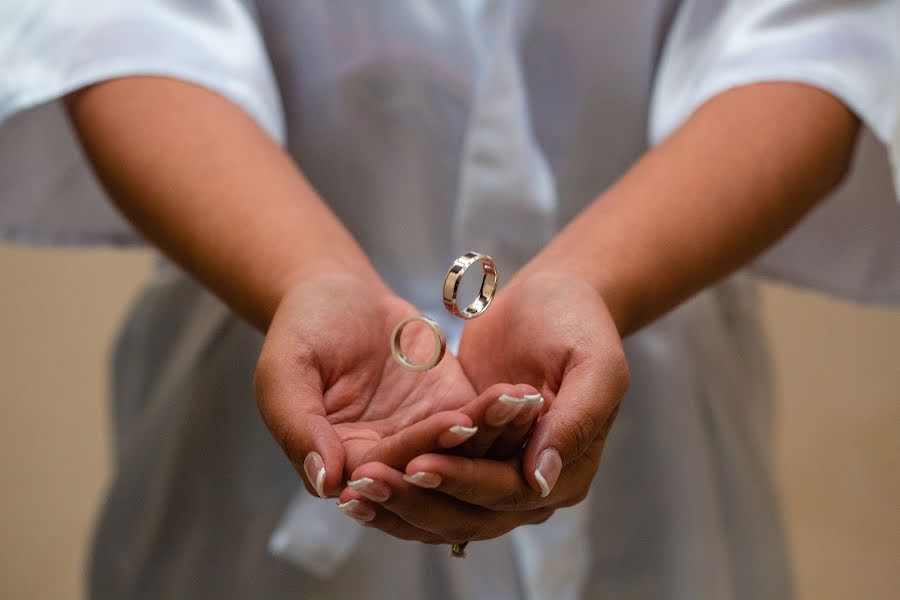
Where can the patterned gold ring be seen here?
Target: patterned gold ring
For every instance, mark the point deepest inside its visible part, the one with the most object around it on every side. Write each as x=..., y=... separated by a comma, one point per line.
x=454, y=277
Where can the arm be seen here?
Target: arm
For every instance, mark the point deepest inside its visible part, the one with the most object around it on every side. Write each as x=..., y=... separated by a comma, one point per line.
x=203, y=182
x=735, y=177
x=724, y=187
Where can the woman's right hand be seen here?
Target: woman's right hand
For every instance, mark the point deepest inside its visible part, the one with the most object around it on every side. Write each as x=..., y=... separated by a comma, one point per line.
x=333, y=397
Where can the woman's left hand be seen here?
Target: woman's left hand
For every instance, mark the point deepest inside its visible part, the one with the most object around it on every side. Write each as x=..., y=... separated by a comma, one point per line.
x=551, y=331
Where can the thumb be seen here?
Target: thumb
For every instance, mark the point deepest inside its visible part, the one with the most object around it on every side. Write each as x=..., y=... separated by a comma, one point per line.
x=294, y=412
x=578, y=417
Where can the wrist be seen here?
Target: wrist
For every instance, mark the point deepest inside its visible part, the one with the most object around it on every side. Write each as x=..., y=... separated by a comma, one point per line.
x=564, y=269
x=322, y=276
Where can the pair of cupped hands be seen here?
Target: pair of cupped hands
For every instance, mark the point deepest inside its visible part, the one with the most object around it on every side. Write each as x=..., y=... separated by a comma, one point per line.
x=498, y=436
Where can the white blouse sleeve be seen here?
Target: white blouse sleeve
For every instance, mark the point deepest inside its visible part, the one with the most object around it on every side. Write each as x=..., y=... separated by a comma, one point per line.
x=850, y=245
x=51, y=47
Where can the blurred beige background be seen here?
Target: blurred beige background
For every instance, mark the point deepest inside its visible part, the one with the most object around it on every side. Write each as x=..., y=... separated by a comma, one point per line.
x=837, y=366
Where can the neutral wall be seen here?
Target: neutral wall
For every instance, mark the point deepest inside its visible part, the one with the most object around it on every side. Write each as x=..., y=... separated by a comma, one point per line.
x=838, y=415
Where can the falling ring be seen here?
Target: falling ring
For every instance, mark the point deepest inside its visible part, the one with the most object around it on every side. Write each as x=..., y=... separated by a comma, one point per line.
x=440, y=344
x=454, y=277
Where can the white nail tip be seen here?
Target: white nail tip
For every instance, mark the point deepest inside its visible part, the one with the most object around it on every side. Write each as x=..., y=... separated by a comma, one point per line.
x=423, y=479
x=348, y=504
x=524, y=400
x=361, y=483
x=512, y=400
x=545, y=489
x=466, y=431
x=320, y=483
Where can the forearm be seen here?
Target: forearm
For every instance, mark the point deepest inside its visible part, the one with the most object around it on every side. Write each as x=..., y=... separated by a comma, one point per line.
x=202, y=181
x=744, y=169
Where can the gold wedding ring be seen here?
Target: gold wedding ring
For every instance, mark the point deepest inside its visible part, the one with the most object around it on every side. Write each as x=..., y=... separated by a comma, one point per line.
x=440, y=344
x=454, y=277
x=489, y=283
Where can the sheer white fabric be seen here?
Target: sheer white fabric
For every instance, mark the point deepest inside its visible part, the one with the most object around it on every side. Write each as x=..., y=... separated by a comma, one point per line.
x=433, y=127
x=49, y=48
x=850, y=246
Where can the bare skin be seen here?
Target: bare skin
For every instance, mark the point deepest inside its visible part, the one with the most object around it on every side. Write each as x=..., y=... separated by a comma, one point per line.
x=327, y=383
x=734, y=178
x=201, y=180
x=730, y=182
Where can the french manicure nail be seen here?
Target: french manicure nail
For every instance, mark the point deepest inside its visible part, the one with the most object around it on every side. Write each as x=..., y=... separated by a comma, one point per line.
x=465, y=432
x=503, y=410
x=423, y=479
x=371, y=489
x=456, y=435
x=548, y=469
x=533, y=404
x=314, y=467
x=357, y=510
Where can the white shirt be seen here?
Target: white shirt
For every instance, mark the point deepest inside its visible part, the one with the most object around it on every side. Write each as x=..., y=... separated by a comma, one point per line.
x=432, y=128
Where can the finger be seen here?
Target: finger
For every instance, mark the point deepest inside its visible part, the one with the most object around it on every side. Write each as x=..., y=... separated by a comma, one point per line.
x=578, y=417
x=512, y=438
x=495, y=409
x=289, y=397
x=370, y=514
x=498, y=485
x=440, y=514
x=483, y=482
x=439, y=431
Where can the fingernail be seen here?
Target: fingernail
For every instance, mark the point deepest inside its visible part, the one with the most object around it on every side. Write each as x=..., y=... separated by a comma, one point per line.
x=533, y=404
x=314, y=467
x=371, y=489
x=423, y=479
x=357, y=510
x=456, y=435
x=503, y=410
x=548, y=469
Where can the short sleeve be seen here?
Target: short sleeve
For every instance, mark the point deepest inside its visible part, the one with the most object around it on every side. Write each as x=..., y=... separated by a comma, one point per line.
x=49, y=48
x=850, y=245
